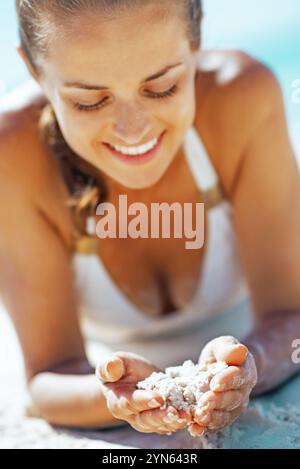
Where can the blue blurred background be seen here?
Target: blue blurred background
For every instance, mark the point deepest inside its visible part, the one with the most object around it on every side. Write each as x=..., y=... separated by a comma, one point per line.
x=267, y=29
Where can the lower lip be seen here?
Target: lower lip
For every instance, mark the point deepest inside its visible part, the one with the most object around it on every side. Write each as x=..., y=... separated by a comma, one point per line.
x=137, y=159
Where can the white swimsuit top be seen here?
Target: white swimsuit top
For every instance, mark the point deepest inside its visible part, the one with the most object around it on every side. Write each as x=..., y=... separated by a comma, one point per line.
x=108, y=315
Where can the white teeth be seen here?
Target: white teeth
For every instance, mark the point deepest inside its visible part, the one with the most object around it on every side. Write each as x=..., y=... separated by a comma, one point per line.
x=136, y=150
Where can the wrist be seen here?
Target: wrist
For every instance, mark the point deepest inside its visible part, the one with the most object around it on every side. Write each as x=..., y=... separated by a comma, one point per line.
x=259, y=355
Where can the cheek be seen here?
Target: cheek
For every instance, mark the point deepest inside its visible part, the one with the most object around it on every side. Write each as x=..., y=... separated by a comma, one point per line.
x=77, y=136
x=184, y=112
x=184, y=105
x=176, y=114
x=78, y=131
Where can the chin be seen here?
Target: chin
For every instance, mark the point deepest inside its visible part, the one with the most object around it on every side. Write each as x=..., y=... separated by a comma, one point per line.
x=140, y=182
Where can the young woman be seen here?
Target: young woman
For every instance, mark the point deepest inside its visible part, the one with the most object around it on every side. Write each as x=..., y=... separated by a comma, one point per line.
x=116, y=76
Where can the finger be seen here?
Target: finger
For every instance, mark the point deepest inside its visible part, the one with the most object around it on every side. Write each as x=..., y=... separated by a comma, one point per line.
x=138, y=424
x=137, y=399
x=138, y=427
x=213, y=420
x=169, y=417
x=202, y=417
x=235, y=377
x=136, y=366
x=118, y=407
x=228, y=400
x=160, y=427
x=196, y=430
x=145, y=400
x=158, y=417
x=227, y=349
x=217, y=419
x=110, y=370
x=220, y=419
x=251, y=370
x=232, y=378
x=232, y=354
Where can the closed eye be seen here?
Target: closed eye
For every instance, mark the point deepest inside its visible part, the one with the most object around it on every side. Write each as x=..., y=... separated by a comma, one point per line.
x=164, y=94
x=150, y=94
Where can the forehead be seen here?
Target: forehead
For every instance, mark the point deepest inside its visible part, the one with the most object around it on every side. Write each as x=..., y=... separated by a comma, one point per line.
x=145, y=39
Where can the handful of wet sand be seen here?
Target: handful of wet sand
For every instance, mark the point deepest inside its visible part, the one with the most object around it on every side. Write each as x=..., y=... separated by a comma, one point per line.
x=182, y=386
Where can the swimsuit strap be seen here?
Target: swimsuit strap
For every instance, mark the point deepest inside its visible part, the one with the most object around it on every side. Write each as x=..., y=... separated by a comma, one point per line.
x=202, y=168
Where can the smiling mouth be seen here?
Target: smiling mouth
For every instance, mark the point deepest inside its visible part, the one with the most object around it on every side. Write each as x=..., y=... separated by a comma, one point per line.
x=138, y=157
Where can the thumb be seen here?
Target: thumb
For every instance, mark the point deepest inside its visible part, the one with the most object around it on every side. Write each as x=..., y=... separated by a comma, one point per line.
x=234, y=354
x=111, y=369
x=227, y=349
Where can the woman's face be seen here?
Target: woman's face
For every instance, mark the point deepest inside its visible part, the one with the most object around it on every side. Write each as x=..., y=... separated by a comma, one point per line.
x=100, y=79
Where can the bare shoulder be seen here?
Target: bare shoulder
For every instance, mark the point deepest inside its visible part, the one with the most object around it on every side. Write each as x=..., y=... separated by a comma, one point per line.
x=20, y=110
x=227, y=75
x=235, y=94
x=24, y=157
x=27, y=168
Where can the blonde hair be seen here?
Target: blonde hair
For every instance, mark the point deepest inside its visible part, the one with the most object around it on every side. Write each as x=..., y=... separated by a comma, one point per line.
x=84, y=182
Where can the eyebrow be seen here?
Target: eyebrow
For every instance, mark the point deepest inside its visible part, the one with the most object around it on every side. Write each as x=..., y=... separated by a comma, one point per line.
x=86, y=86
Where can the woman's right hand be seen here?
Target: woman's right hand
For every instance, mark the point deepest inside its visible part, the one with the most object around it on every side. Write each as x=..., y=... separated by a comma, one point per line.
x=119, y=374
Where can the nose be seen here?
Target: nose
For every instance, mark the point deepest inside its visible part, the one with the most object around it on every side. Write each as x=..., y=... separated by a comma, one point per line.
x=131, y=125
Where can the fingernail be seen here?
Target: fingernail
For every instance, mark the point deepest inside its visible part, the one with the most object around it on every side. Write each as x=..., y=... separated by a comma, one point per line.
x=172, y=413
x=203, y=418
x=114, y=368
x=202, y=432
x=181, y=420
x=207, y=407
x=154, y=403
x=195, y=434
x=170, y=418
x=191, y=432
x=216, y=387
x=106, y=369
x=172, y=410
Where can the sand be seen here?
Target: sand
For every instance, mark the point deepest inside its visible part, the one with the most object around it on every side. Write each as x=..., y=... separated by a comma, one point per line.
x=182, y=386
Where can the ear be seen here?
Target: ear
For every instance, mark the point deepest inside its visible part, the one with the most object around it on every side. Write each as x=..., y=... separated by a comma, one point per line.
x=28, y=65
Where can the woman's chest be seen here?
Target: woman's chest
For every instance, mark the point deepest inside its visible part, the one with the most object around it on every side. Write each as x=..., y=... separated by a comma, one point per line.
x=157, y=280
x=155, y=253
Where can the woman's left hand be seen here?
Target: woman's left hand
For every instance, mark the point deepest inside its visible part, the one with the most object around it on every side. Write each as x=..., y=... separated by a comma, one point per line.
x=229, y=390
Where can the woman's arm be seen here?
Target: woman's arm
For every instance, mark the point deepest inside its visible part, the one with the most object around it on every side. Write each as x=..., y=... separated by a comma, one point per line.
x=69, y=395
x=266, y=201
x=37, y=288
x=271, y=343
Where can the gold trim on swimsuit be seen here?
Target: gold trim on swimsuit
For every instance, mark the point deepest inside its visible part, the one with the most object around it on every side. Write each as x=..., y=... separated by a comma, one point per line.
x=87, y=245
x=213, y=196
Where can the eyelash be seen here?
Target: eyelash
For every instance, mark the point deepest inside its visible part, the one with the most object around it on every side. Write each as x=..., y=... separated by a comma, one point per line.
x=97, y=106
